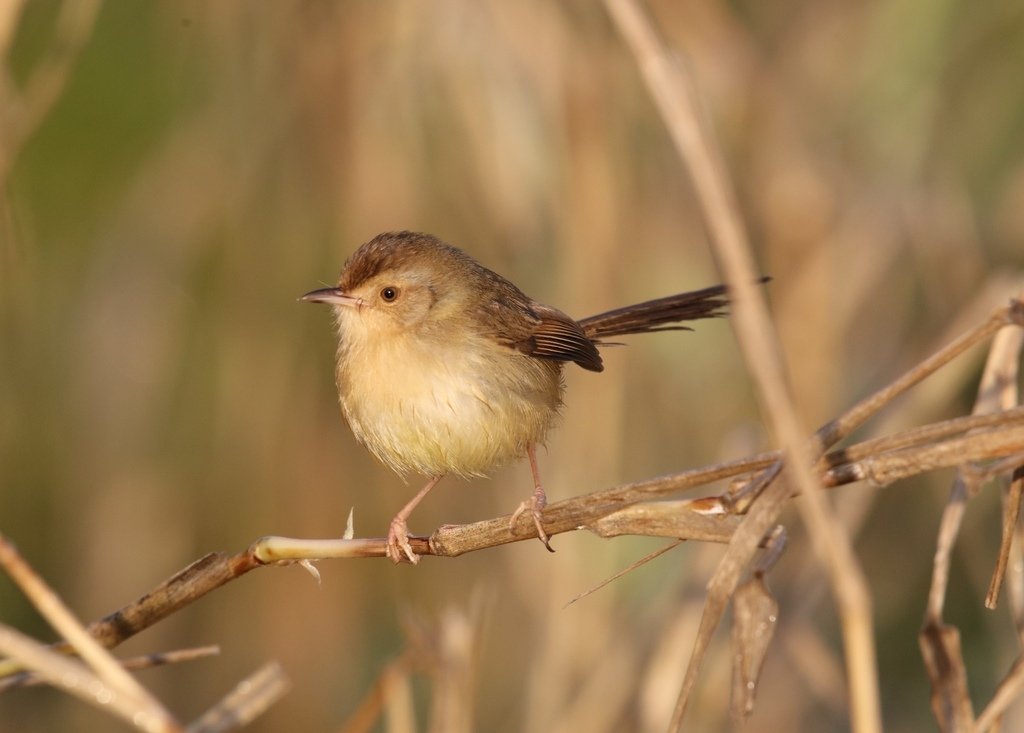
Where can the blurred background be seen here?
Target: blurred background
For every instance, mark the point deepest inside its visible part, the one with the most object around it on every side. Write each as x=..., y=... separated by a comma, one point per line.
x=162, y=393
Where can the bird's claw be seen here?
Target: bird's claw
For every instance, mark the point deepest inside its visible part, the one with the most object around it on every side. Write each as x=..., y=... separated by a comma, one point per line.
x=398, y=547
x=535, y=504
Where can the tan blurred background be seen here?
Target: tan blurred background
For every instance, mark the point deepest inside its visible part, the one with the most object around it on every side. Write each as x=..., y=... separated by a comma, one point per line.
x=162, y=393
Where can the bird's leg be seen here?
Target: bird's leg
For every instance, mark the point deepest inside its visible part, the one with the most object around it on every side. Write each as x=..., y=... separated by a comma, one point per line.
x=398, y=548
x=536, y=503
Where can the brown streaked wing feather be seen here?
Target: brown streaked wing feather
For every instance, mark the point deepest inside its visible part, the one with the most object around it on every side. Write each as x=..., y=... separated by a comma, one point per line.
x=541, y=332
x=561, y=338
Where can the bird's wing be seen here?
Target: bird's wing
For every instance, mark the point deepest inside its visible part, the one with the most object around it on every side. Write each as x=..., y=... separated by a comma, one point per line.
x=543, y=333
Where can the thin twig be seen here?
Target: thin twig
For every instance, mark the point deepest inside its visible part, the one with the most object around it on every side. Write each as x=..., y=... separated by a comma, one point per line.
x=184, y=587
x=609, y=512
x=139, y=706
x=835, y=430
x=70, y=675
x=625, y=571
x=999, y=388
x=146, y=661
x=1011, y=518
x=939, y=642
x=896, y=465
x=615, y=512
x=924, y=434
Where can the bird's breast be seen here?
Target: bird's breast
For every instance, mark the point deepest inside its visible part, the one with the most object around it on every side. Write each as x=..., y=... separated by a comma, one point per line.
x=462, y=407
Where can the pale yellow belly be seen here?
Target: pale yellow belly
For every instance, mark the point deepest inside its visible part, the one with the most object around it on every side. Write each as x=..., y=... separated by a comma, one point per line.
x=441, y=412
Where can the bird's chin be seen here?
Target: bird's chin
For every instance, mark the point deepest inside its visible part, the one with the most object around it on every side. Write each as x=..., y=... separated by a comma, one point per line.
x=361, y=327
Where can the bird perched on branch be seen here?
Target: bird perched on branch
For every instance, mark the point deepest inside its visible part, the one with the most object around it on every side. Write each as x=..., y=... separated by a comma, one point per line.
x=445, y=367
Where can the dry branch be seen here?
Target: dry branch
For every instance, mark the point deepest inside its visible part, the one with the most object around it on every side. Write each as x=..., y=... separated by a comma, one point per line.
x=940, y=642
x=97, y=677
x=1011, y=518
x=610, y=512
x=82, y=667
x=146, y=661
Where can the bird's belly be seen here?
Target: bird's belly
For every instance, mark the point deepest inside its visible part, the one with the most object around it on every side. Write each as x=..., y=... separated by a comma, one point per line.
x=462, y=411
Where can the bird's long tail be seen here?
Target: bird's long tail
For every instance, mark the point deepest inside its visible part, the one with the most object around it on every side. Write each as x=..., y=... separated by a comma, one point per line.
x=663, y=314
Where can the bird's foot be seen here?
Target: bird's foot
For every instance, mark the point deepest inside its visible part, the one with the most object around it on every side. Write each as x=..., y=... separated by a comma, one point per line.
x=399, y=549
x=536, y=503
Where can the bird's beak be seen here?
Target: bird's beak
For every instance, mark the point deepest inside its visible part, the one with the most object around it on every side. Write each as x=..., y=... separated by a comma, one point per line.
x=333, y=296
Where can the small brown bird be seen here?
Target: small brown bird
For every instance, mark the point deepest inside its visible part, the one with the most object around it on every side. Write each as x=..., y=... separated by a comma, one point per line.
x=446, y=367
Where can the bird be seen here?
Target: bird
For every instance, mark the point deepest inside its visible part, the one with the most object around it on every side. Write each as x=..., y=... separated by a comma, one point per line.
x=444, y=367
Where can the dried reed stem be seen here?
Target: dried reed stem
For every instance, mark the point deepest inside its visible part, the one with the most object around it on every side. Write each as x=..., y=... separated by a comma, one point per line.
x=676, y=100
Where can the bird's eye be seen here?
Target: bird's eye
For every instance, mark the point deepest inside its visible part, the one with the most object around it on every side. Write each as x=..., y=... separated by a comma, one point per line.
x=389, y=294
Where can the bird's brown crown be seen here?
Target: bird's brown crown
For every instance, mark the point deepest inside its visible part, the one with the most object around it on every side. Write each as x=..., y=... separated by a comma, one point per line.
x=394, y=251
